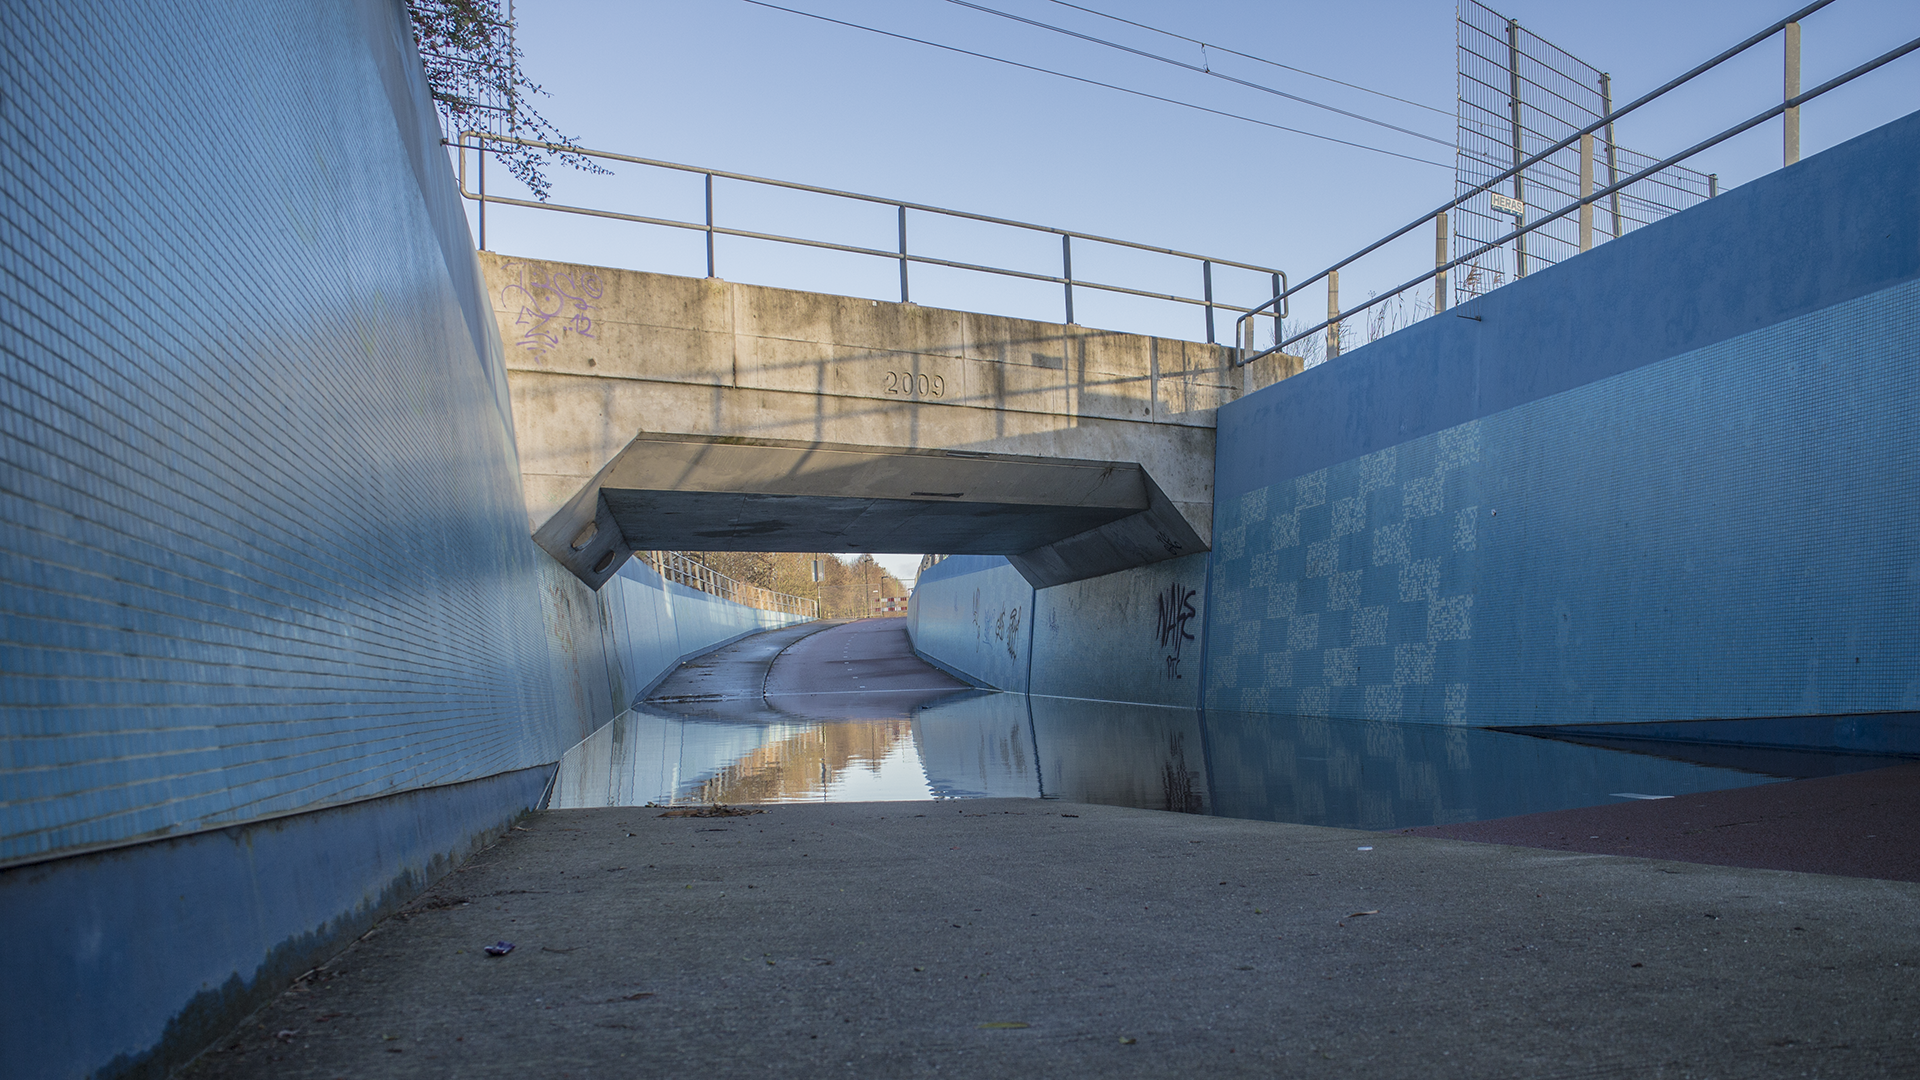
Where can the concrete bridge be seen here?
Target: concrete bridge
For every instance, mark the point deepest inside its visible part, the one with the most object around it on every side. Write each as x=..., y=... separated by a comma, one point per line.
x=655, y=411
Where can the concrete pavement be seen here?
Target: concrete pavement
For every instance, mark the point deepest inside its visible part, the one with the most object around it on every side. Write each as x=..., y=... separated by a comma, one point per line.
x=1018, y=937
x=1038, y=938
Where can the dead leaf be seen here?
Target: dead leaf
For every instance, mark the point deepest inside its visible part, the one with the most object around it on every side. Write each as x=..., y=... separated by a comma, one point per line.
x=1357, y=914
x=1006, y=1024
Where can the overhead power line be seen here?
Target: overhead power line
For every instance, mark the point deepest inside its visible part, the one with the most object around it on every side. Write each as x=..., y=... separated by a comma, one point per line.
x=1200, y=69
x=1204, y=46
x=1096, y=82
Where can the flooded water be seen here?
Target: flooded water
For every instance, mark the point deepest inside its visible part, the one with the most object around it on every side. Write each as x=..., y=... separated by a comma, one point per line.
x=946, y=744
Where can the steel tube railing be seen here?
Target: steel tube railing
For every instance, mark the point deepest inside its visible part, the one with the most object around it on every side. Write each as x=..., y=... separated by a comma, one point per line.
x=1518, y=169
x=481, y=143
x=1746, y=125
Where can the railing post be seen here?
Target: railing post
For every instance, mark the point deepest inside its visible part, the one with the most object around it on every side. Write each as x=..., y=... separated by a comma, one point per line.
x=1713, y=185
x=1790, y=130
x=1440, y=262
x=1206, y=284
x=1586, y=192
x=903, y=254
x=709, y=224
x=1333, y=314
x=483, y=191
x=1276, y=312
x=1066, y=271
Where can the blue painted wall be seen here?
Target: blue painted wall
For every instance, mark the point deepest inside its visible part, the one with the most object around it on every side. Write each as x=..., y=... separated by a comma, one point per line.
x=1676, y=477
x=277, y=646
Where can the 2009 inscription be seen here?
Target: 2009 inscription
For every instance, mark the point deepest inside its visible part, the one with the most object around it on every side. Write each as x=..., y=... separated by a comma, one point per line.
x=914, y=384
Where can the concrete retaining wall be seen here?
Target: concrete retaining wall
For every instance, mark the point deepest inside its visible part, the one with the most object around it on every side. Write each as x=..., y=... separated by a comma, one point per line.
x=1132, y=636
x=973, y=615
x=1673, y=478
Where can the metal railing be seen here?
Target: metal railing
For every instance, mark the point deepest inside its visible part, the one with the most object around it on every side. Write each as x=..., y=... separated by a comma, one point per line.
x=675, y=566
x=480, y=143
x=1582, y=205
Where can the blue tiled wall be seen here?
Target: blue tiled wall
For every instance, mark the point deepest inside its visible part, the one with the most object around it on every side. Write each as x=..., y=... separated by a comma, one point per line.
x=263, y=536
x=270, y=602
x=1677, y=477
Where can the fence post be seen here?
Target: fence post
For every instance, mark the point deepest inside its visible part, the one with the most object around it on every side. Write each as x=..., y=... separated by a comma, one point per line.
x=1791, y=129
x=1613, y=164
x=1440, y=262
x=1333, y=314
x=709, y=224
x=1066, y=271
x=1586, y=192
x=1519, y=185
x=1206, y=284
x=903, y=254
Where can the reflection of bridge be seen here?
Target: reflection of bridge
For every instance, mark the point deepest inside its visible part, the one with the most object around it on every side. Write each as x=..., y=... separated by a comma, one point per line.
x=664, y=412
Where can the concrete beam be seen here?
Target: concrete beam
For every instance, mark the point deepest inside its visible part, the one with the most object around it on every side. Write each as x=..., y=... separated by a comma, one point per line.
x=1060, y=519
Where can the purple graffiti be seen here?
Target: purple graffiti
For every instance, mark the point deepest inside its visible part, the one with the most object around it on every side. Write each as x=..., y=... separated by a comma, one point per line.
x=546, y=302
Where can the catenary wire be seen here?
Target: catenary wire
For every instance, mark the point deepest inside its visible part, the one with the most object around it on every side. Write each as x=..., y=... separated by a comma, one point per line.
x=1199, y=70
x=1096, y=82
x=1205, y=45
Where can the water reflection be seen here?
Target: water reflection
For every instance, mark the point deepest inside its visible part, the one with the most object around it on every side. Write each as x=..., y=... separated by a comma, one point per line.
x=977, y=744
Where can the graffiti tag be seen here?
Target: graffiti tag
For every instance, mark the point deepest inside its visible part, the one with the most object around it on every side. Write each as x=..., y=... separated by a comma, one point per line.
x=546, y=302
x=1176, y=610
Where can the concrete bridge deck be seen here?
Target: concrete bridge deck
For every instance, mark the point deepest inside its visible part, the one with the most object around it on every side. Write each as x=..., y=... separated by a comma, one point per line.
x=673, y=412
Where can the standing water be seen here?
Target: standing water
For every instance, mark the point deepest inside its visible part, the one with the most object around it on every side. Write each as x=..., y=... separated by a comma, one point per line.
x=848, y=714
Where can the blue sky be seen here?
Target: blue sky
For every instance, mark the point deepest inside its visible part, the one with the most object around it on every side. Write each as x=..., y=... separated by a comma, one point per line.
x=735, y=86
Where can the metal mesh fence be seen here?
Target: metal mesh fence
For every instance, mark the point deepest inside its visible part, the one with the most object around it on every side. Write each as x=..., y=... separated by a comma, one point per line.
x=1518, y=95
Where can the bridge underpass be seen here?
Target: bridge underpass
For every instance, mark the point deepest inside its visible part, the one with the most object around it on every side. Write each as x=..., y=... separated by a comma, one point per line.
x=662, y=412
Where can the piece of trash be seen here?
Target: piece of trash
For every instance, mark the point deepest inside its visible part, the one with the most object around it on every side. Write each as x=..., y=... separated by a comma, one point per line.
x=712, y=810
x=284, y=1034
x=638, y=996
x=919, y=969
x=1369, y=847
x=388, y=1038
x=1125, y=1041
x=1635, y=795
x=1357, y=914
x=1005, y=1024
x=1077, y=815
x=500, y=948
